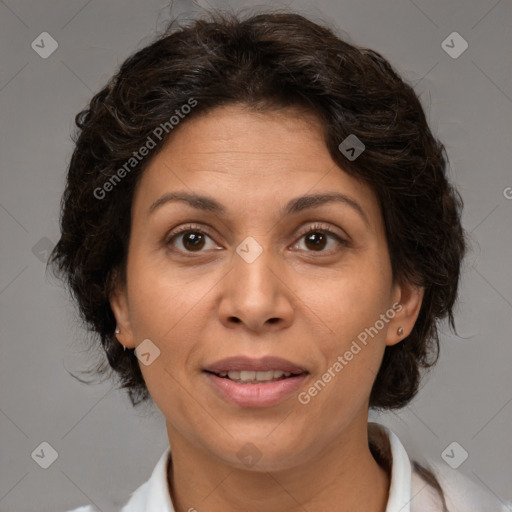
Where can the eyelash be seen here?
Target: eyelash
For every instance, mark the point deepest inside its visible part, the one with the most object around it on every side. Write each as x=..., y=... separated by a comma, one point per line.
x=316, y=228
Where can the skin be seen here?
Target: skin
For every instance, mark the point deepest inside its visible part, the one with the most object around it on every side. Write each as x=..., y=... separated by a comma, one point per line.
x=298, y=301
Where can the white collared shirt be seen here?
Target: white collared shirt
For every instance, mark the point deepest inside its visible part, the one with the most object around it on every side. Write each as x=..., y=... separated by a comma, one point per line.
x=408, y=491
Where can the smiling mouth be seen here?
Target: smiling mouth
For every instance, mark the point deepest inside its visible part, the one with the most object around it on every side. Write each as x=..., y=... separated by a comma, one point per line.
x=256, y=377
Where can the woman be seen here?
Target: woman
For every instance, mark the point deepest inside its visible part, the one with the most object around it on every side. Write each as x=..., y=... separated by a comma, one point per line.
x=258, y=225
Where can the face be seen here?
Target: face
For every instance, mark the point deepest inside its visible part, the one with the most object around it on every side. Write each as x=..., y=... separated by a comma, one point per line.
x=270, y=311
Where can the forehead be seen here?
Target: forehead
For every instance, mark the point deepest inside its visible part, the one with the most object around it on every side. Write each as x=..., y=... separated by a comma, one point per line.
x=248, y=159
x=240, y=134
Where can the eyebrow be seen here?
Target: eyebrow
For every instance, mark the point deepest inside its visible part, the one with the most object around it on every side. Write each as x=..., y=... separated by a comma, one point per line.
x=296, y=205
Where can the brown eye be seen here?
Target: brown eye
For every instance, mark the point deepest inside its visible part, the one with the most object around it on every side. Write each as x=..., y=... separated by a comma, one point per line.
x=316, y=240
x=193, y=240
x=189, y=239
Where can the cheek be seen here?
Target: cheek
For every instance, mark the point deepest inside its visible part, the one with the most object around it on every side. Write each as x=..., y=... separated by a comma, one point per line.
x=167, y=307
x=351, y=305
x=162, y=296
x=350, y=301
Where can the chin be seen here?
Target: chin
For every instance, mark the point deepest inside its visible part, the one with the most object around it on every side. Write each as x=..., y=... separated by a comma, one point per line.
x=259, y=451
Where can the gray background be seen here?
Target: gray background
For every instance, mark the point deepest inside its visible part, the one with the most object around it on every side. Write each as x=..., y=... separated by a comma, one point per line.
x=105, y=448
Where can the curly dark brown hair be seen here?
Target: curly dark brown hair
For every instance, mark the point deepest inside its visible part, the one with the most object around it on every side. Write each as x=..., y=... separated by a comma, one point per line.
x=267, y=61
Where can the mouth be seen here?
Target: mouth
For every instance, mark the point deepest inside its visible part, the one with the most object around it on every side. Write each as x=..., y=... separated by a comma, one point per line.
x=249, y=370
x=250, y=382
x=255, y=377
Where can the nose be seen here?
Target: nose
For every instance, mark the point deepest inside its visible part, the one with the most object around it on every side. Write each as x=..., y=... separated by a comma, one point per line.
x=256, y=294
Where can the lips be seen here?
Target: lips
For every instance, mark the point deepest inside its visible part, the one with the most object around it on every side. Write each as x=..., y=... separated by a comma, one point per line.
x=249, y=382
x=252, y=377
x=246, y=370
x=247, y=364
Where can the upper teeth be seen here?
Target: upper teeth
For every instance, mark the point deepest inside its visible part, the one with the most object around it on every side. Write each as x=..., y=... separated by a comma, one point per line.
x=247, y=376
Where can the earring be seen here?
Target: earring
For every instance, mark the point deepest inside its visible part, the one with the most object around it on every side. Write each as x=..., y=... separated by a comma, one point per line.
x=400, y=331
x=117, y=331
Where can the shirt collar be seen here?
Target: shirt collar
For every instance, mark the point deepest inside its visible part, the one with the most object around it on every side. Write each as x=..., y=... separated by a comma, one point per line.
x=394, y=456
x=158, y=492
x=155, y=496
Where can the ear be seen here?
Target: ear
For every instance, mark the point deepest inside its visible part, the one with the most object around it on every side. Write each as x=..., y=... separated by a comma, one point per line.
x=406, y=304
x=119, y=304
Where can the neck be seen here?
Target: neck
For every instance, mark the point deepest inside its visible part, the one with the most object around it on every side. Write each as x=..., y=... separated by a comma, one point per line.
x=344, y=477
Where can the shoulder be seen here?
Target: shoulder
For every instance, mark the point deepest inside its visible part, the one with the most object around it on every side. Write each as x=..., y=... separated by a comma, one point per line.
x=136, y=503
x=461, y=493
x=85, y=508
x=138, y=499
x=152, y=495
